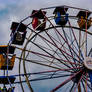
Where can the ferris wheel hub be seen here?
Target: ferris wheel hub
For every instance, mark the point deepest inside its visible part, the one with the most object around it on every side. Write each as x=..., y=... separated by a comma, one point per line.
x=88, y=63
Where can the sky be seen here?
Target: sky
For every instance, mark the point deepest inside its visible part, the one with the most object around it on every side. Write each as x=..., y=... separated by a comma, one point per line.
x=16, y=10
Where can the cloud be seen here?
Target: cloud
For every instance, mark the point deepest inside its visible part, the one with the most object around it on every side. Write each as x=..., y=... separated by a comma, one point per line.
x=16, y=10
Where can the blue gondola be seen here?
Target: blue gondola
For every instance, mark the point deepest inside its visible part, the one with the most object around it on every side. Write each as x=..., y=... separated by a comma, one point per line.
x=7, y=79
x=61, y=20
x=61, y=17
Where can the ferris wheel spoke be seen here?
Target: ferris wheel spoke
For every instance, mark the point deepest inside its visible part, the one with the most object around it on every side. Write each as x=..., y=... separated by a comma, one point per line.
x=64, y=39
x=50, y=56
x=83, y=85
x=66, y=81
x=87, y=84
x=61, y=35
x=71, y=90
x=44, y=51
x=69, y=46
x=57, y=54
x=47, y=74
x=51, y=49
x=42, y=78
x=60, y=43
x=49, y=77
x=60, y=60
x=56, y=71
x=76, y=40
x=58, y=48
x=38, y=63
x=72, y=41
x=42, y=63
x=49, y=41
x=78, y=84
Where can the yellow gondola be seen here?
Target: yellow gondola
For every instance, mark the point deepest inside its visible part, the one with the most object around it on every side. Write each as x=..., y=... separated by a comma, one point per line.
x=3, y=62
x=82, y=23
x=83, y=19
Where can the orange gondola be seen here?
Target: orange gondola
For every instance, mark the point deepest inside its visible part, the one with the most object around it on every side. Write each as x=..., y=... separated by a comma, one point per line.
x=3, y=62
x=83, y=19
x=6, y=50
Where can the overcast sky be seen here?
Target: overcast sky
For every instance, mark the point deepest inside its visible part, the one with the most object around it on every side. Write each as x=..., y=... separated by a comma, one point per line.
x=15, y=10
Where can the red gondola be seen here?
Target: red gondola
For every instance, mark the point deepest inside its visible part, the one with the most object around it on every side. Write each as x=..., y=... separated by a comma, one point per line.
x=39, y=20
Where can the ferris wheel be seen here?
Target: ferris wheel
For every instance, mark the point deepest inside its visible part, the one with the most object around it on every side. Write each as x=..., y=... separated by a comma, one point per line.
x=53, y=49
